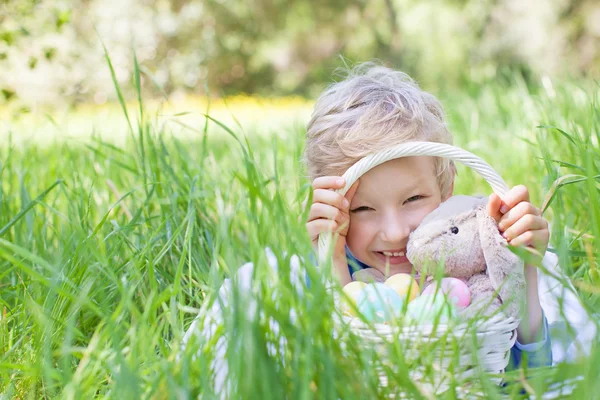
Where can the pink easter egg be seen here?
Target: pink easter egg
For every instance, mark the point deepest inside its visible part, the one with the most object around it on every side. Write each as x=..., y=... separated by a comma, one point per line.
x=456, y=290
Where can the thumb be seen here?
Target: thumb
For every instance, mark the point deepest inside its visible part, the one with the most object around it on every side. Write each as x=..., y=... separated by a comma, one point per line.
x=352, y=191
x=493, y=207
x=345, y=225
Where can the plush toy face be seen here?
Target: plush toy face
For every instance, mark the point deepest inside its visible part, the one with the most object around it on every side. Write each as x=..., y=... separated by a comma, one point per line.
x=461, y=235
x=449, y=236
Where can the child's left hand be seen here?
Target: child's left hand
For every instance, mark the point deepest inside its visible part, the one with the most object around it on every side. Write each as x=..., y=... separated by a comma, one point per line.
x=522, y=224
x=519, y=221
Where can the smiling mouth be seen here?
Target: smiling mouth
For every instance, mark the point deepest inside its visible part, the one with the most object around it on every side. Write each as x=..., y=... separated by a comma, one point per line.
x=400, y=253
x=391, y=257
x=392, y=253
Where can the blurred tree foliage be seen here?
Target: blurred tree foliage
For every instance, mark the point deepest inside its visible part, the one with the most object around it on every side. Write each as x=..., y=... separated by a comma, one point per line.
x=51, y=50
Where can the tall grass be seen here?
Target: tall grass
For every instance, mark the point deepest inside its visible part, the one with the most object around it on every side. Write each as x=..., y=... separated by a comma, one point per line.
x=108, y=253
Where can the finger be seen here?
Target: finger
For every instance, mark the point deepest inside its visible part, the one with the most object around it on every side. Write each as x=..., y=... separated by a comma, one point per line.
x=329, y=182
x=320, y=210
x=331, y=198
x=493, y=206
x=537, y=239
x=514, y=196
x=529, y=222
x=318, y=226
x=516, y=213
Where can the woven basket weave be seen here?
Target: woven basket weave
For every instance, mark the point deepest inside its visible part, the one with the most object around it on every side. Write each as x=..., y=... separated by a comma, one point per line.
x=490, y=351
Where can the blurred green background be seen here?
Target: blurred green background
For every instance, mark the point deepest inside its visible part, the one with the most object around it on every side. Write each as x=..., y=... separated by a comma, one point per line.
x=51, y=51
x=108, y=252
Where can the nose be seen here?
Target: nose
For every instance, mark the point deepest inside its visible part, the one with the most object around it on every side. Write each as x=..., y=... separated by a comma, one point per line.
x=395, y=229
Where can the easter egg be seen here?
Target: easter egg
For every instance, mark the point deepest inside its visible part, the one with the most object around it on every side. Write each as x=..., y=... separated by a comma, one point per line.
x=352, y=291
x=379, y=303
x=456, y=290
x=428, y=309
x=404, y=285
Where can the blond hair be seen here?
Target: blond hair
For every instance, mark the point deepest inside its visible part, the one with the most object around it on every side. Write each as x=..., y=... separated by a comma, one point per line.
x=372, y=109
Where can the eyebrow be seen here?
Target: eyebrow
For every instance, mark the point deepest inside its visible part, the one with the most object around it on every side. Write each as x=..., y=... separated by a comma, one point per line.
x=410, y=188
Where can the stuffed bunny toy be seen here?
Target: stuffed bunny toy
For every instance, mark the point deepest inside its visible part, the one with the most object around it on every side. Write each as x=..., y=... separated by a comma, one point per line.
x=462, y=237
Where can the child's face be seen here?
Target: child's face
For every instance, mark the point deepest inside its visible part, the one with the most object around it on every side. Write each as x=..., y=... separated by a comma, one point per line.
x=391, y=201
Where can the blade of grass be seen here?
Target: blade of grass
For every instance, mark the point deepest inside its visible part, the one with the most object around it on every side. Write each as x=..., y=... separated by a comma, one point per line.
x=28, y=207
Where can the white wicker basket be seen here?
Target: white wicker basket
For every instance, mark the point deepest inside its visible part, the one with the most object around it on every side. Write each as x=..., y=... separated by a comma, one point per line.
x=494, y=337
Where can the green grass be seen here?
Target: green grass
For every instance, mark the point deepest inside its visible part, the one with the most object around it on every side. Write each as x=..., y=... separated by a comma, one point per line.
x=107, y=253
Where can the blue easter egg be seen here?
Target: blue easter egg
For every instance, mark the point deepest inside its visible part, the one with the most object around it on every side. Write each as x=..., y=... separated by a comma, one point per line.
x=379, y=303
x=429, y=308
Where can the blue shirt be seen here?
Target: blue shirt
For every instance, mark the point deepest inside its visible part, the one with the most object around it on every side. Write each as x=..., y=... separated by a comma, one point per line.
x=535, y=354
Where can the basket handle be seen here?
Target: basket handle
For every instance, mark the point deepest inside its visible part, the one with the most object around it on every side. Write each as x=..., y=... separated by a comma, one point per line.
x=416, y=149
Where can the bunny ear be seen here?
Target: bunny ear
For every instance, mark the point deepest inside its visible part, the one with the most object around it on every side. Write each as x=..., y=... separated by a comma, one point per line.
x=505, y=269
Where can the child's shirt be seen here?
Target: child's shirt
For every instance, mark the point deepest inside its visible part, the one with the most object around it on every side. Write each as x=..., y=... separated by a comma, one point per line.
x=534, y=354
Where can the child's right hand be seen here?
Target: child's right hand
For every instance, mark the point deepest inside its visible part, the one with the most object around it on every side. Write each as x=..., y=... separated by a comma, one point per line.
x=329, y=212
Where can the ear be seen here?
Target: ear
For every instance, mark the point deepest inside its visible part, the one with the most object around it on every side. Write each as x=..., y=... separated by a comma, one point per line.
x=505, y=269
x=448, y=194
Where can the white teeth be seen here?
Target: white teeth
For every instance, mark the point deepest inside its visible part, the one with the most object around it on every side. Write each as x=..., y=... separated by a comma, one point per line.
x=393, y=254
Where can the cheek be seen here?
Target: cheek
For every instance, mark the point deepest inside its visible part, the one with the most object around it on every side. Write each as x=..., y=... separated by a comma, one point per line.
x=417, y=216
x=358, y=235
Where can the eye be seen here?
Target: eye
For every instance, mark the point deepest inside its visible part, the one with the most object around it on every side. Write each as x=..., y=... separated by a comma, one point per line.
x=454, y=230
x=414, y=198
x=362, y=208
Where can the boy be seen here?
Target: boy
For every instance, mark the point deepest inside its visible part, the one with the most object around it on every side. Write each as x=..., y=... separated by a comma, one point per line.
x=373, y=109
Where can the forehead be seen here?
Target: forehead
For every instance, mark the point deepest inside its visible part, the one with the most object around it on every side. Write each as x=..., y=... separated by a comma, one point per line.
x=397, y=176
x=402, y=170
